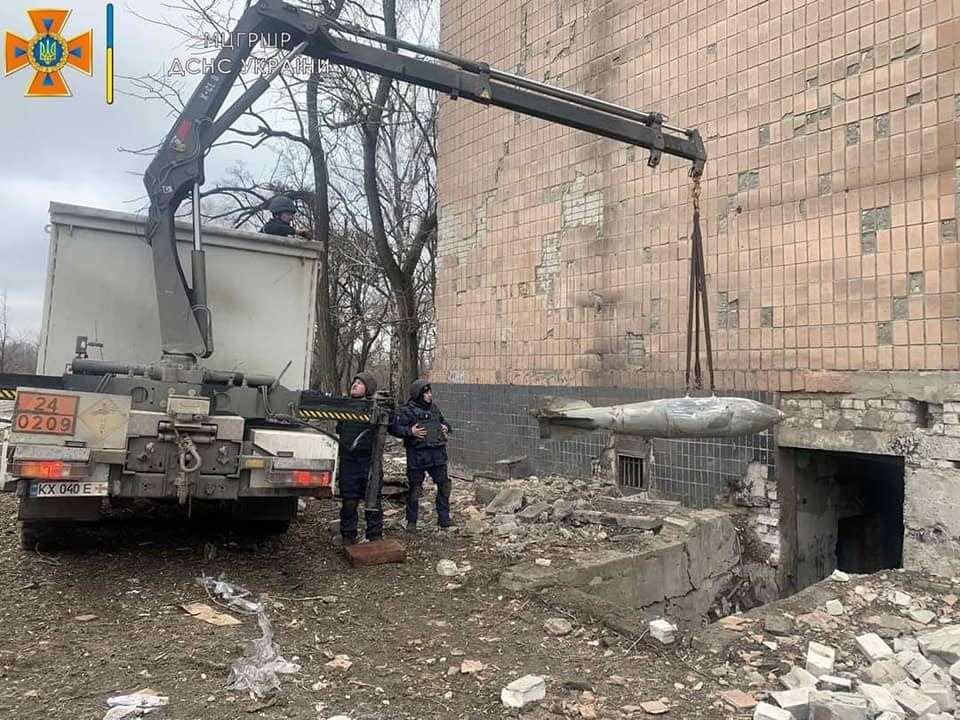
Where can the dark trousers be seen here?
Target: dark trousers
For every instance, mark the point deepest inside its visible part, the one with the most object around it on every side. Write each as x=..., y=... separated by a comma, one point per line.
x=349, y=520
x=415, y=477
x=353, y=488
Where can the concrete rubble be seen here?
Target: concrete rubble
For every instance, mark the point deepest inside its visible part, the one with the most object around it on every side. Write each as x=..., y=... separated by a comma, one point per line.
x=568, y=533
x=523, y=691
x=663, y=631
x=893, y=655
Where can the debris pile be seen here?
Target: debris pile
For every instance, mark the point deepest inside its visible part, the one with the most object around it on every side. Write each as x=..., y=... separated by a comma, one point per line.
x=861, y=652
x=516, y=517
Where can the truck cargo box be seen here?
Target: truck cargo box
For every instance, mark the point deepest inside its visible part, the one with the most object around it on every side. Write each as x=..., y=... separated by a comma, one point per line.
x=100, y=284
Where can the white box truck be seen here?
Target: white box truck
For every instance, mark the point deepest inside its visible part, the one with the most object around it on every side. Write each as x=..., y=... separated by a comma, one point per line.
x=103, y=422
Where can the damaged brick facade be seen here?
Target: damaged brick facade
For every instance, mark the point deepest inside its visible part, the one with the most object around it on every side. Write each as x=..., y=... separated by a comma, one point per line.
x=830, y=207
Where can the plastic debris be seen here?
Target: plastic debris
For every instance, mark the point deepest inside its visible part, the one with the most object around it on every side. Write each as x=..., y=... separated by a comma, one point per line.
x=134, y=705
x=235, y=596
x=257, y=669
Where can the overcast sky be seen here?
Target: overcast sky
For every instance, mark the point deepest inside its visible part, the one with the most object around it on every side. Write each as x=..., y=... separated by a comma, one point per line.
x=67, y=149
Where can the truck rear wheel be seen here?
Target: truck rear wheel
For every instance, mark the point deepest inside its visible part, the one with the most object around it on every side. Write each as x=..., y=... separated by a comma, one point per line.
x=34, y=534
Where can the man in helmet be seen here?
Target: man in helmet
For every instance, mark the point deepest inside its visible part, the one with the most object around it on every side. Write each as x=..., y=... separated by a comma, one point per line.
x=283, y=209
x=356, y=456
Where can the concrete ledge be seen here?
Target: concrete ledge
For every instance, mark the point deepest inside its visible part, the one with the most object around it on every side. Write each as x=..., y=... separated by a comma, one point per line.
x=681, y=573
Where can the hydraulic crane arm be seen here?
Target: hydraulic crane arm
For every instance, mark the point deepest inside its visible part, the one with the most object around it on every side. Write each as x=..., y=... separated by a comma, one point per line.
x=177, y=169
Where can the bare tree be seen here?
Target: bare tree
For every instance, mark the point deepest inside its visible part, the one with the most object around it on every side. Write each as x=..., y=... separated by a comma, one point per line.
x=375, y=283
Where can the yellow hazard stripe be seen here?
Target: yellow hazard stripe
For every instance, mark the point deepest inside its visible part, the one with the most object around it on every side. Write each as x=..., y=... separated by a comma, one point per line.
x=6, y=394
x=333, y=415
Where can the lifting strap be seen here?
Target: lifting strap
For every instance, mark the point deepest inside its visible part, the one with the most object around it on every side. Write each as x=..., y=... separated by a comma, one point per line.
x=697, y=302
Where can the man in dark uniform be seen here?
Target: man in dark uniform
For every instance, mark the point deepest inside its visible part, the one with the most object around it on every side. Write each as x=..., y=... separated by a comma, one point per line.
x=356, y=455
x=424, y=431
x=284, y=210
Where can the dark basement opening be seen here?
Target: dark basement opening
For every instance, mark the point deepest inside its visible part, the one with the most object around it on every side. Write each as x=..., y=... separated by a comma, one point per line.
x=849, y=513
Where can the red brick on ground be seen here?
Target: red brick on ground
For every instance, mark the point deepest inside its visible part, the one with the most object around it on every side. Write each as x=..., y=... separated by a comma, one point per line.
x=378, y=552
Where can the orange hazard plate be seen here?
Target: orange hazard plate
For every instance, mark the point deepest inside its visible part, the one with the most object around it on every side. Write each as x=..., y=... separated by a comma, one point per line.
x=377, y=552
x=45, y=413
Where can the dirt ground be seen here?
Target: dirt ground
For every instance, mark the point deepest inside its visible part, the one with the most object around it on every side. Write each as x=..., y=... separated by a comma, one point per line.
x=405, y=629
x=403, y=626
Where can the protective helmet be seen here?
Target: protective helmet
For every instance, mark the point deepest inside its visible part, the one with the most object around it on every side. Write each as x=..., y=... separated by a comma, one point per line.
x=282, y=204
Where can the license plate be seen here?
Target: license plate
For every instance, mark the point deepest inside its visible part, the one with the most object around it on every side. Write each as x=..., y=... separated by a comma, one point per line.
x=67, y=489
x=45, y=414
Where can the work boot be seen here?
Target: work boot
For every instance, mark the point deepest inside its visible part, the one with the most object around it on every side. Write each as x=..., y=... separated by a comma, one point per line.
x=349, y=540
x=412, y=529
x=448, y=523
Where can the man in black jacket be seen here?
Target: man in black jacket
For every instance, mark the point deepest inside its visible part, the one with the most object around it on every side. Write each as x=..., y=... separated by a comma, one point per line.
x=356, y=455
x=283, y=210
x=424, y=431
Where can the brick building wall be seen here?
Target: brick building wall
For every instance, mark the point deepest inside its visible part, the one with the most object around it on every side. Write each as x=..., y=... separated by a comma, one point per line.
x=830, y=207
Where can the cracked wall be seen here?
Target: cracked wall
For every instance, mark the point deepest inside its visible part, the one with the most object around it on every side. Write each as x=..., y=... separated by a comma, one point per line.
x=829, y=204
x=913, y=416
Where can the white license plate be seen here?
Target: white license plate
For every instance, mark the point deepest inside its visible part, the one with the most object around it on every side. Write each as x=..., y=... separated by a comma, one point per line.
x=67, y=489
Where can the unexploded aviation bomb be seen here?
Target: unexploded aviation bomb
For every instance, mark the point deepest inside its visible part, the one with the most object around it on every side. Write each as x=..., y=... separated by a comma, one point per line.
x=686, y=417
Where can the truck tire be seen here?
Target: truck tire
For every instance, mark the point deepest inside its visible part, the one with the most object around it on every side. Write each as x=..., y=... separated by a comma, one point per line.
x=34, y=534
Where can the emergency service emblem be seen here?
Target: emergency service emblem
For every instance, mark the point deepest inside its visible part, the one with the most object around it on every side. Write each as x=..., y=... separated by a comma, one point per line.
x=48, y=53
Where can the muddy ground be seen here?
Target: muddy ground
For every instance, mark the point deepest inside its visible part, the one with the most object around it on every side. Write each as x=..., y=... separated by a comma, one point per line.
x=403, y=627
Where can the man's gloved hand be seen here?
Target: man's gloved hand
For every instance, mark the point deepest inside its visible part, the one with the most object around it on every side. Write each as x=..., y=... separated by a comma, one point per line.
x=304, y=233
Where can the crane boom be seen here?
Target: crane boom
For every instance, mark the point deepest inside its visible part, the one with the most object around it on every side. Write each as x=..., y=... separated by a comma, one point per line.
x=177, y=170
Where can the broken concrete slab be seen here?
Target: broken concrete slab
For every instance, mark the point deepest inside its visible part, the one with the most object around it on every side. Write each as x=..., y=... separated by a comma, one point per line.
x=607, y=519
x=820, y=659
x=796, y=701
x=924, y=617
x=522, y=691
x=881, y=700
x=778, y=625
x=955, y=672
x=534, y=511
x=838, y=706
x=943, y=644
x=941, y=692
x=507, y=502
x=912, y=700
x=885, y=672
x=834, y=607
x=904, y=643
x=839, y=684
x=914, y=663
x=873, y=647
x=663, y=631
x=766, y=711
x=798, y=678
x=894, y=624
x=485, y=492
x=901, y=599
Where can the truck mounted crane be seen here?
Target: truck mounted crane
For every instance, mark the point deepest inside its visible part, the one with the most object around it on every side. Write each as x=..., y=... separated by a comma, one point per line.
x=177, y=430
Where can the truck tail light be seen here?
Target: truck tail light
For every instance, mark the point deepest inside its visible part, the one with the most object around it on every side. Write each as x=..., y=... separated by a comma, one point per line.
x=302, y=478
x=49, y=469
